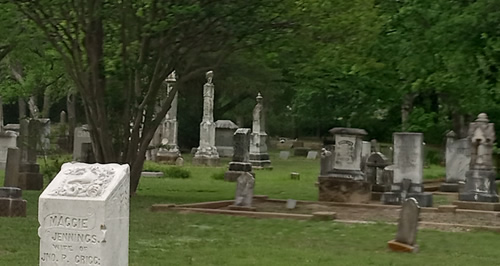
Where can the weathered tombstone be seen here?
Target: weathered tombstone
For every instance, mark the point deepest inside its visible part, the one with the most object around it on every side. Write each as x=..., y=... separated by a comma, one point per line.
x=244, y=190
x=179, y=161
x=11, y=202
x=259, y=157
x=240, y=163
x=408, y=170
x=169, y=151
x=345, y=182
x=406, y=236
x=84, y=216
x=295, y=175
x=224, y=131
x=207, y=152
x=12, y=168
x=284, y=155
x=29, y=177
x=63, y=117
x=87, y=155
x=312, y=155
x=291, y=204
x=457, y=162
x=375, y=147
x=374, y=169
x=8, y=139
x=44, y=133
x=82, y=135
x=480, y=178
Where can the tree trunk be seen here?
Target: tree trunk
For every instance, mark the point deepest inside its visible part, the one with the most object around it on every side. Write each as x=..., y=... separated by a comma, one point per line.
x=459, y=125
x=71, y=106
x=47, y=103
x=33, y=107
x=22, y=109
x=406, y=108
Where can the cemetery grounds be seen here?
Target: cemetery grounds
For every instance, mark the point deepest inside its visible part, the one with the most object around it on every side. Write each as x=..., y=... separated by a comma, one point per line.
x=170, y=238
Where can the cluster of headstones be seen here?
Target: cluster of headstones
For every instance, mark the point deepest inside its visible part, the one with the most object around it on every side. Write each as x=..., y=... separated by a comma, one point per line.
x=351, y=174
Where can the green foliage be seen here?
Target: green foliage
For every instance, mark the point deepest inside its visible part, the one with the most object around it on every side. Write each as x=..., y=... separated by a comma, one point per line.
x=51, y=165
x=218, y=175
x=168, y=171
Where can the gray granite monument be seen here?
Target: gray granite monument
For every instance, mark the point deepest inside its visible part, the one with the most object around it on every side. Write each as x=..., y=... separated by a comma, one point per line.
x=344, y=182
x=457, y=162
x=480, y=178
x=207, y=154
x=259, y=158
x=240, y=163
x=224, y=132
x=408, y=170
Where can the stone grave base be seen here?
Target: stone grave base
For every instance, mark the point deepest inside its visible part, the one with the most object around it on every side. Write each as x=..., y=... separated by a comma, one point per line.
x=424, y=199
x=260, y=161
x=400, y=247
x=449, y=187
x=152, y=174
x=483, y=206
x=477, y=197
x=167, y=157
x=232, y=176
x=225, y=151
x=11, y=202
x=343, y=190
x=30, y=181
x=208, y=161
x=381, y=188
x=444, y=218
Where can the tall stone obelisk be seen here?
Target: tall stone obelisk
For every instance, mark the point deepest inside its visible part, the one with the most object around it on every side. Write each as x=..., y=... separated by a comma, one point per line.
x=169, y=150
x=207, y=153
x=259, y=158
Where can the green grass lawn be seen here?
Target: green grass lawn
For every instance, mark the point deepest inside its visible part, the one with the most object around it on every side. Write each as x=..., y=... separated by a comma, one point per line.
x=201, y=239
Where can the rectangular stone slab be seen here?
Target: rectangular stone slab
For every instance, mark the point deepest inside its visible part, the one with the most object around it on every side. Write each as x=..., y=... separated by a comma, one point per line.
x=84, y=216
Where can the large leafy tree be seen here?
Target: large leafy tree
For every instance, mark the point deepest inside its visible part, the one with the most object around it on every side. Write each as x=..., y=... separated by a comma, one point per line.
x=118, y=53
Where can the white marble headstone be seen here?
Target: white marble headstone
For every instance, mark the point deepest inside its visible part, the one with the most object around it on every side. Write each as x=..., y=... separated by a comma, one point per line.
x=84, y=216
x=347, y=152
x=457, y=159
x=8, y=139
x=408, y=157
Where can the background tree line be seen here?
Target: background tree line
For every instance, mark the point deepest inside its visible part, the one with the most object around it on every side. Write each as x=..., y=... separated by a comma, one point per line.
x=385, y=66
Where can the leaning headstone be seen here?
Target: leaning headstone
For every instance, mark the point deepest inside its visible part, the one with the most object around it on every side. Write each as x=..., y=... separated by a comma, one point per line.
x=312, y=155
x=284, y=155
x=224, y=131
x=408, y=170
x=259, y=157
x=240, y=163
x=169, y=151
x=457, y=162
x=207, y=152
x=406, y=236
x=244, y=190
x=11, y=202
x=345, y=182
x=480, y=178
x=12, y=168
x=84, y=216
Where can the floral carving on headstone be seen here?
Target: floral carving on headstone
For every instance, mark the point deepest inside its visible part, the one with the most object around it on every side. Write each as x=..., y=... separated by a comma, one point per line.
x=84, y=182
